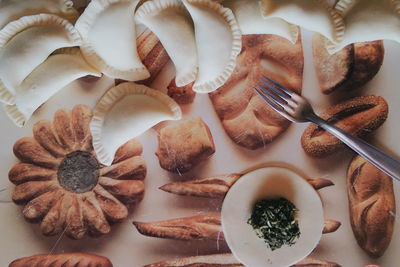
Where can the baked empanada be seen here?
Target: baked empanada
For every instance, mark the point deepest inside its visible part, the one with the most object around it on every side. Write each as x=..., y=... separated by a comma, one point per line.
x=218, y=40
x=47, y=79
x=313, y=15
x=126, y=111
x=172, y=24
x=251, y=21
x=26, y=43
x=109, y=38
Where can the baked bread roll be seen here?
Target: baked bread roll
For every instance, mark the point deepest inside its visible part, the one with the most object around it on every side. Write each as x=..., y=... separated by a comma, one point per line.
x=349, y=68
x=62, y=260
x=358, y=116
x=246, y=118
x=372, y=206
x=183, y=145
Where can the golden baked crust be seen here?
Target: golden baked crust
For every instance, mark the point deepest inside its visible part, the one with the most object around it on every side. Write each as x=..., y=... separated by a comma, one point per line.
x=372, y=206
x=62, y=260
x=182, y=94
x=183, y=145
x=349, y=68
x=246, y=118
x=359, y=116
x=63, y=186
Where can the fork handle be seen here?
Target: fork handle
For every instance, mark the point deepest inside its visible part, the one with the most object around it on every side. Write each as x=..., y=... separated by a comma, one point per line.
x=381, y=160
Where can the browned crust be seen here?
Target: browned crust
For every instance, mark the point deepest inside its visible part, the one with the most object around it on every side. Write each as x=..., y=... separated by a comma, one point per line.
x=358, y=116
x=331, y=226
x=372, y=206
x=349, y=68
x=183, y=145
x=62, y=260
x=183, y=94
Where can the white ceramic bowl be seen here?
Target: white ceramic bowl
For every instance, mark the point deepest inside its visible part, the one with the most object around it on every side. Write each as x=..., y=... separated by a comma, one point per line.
x=271, y=182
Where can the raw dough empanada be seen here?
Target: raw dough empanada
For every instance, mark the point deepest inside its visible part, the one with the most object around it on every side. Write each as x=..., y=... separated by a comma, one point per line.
x=218, y=40
x=26, y=43
x=109, y=38
x=171, y=22
x=126, y=111
x=249, y=17
x=314, y=15
x=369, y=20
x=14, y=9
x=47, y=79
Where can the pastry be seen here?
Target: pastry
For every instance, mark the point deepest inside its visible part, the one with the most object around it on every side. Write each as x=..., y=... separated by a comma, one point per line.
x=217, y=186
x=14, y=9
x=181, y=94
x=185, y=144
x=152, y=54
x=349, y=68
x=26, y=43
x=228, y=260
x=172, y=24
x=48, y=78
x=126, y=111
x=63, y=186
x=108, y=31
x=244, y=115
x=62, y=260
x=358, y=116
x=372, y=206
x=201, y=227
x=313, y=15
x=362, y=25
x=251, y=21
x=217, y=25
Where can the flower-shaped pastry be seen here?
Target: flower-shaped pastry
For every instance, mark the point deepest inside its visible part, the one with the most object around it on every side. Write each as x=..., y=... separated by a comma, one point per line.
x=62, y=184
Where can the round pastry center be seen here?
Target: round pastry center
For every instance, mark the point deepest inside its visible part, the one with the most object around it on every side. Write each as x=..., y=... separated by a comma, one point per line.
x=78, y=172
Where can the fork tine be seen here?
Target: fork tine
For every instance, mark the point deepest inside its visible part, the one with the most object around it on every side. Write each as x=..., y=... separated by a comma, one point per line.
x=278, y=99
x=275, y=90
x=273, y=105
x=286, y=90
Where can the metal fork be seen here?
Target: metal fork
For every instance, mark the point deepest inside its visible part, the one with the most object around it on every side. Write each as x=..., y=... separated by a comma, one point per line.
x=297, y=109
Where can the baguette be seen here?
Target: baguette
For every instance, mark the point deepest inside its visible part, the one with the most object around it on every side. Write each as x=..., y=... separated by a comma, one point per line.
x=228, y=260
x=372, y=206
x=62, y=260
x=217, y=186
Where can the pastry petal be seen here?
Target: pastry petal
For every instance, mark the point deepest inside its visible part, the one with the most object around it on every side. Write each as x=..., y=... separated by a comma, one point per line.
x=128, y=191
x=94, y=216
x=76, y=227
x=29, y=190
x=28, y=150
x=55, y=220
x=214, y=25
x=26, y=43
x=46, y=80
x=44, y=134
x=251, y=21
x=14, y=9
x=25, y=172
x=172, y=24
x=38, y=207
x=81, y=117
x=133, y=168
x=364, y=25
x=125, y=112
x=313, y=15
x=128, y=150
x=63, y=128
x=112, y=207
x=109, y=38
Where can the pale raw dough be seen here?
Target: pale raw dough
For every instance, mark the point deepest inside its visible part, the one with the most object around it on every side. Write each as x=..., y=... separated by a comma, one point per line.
x=170, y=21
x=369, y=20
x=218, y=40
x=271, y=182
x=109, y=38
x=47, y=79
x=14, y=9
x=26, y=43
x=251, y=21
x=313, y=15
x=126, y=111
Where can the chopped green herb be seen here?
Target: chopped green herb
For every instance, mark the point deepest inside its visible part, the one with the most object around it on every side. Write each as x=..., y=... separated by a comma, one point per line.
x=274, y=221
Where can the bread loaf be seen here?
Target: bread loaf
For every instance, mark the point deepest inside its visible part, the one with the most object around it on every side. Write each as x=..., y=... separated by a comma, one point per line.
x=62, y=260
x=371, y=205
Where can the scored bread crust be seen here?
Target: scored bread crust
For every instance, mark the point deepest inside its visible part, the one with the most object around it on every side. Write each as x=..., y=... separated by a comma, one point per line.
x=348, y=69
x=372, y=206
x=62, y=260
x=245, y=117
